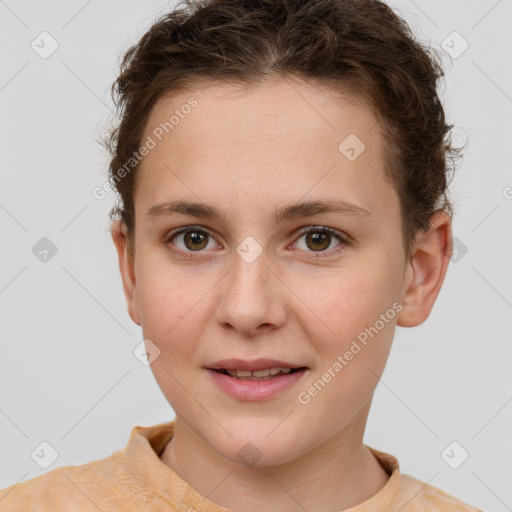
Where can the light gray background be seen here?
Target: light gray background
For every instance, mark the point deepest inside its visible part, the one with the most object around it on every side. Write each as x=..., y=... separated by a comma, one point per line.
x=69, y=376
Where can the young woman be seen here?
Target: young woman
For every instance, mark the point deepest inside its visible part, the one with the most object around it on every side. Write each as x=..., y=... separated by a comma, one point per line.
x=282, y=168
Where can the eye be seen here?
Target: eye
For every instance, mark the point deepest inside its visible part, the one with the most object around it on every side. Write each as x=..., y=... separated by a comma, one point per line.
x=192, y=239
x=319, y=238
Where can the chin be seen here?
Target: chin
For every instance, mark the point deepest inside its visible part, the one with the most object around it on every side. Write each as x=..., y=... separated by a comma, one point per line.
x=251, y=455
x=257, y=444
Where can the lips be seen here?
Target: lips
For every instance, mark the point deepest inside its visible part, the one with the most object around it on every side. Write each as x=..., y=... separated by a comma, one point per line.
x=254, y=365
x=252, y=387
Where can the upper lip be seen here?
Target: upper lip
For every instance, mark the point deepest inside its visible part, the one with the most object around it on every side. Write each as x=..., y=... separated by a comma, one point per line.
x=254, y=365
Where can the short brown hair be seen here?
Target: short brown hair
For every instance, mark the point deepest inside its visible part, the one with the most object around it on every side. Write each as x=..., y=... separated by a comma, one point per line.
x=360, y=47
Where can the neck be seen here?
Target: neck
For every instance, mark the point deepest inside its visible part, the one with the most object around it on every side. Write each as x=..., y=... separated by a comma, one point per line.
x=337, y=475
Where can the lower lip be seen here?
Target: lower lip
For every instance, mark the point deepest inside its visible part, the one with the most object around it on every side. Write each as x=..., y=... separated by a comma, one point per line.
x=255, y=389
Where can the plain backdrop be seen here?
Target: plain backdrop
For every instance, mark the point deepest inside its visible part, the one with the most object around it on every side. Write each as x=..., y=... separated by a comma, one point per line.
x=68, y=373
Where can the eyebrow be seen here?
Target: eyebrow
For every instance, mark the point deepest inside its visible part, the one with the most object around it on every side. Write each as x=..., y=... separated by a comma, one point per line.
x=287, y=212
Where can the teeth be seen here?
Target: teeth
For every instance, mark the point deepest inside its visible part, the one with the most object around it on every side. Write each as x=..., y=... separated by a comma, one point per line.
x=258, y=374
x=242, y=373
x=261, y=373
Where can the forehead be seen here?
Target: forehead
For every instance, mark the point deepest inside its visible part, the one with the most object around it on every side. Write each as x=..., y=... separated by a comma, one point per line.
x=277, y=139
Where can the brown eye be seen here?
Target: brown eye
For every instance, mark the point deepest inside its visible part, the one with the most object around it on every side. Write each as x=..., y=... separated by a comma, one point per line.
x=195, y=240
x=190, y=240
x=319, y=239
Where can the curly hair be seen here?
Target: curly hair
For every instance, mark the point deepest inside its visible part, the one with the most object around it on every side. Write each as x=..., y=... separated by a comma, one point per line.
x=357, y=47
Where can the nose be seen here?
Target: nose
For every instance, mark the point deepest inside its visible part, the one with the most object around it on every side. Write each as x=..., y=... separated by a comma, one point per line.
x=252, y=300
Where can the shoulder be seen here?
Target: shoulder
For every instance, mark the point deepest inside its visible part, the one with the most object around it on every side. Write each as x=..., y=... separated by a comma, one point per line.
x=421, y=496
x=84, y=487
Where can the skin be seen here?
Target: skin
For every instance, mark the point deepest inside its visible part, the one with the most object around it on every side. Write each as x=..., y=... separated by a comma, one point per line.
x=246, y=152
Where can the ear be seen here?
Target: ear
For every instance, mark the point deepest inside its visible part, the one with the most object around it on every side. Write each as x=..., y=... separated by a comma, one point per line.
x=126, y=266
x=426, y=270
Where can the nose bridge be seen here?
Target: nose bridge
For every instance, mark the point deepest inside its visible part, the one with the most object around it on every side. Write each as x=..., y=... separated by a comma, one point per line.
x=249, y=297
x=250, y=265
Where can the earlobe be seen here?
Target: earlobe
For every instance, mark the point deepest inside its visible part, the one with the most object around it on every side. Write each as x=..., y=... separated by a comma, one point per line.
x=119, y=234
x=426, y=271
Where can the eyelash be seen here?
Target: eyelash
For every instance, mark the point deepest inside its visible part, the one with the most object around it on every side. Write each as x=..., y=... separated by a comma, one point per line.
x=311, y=229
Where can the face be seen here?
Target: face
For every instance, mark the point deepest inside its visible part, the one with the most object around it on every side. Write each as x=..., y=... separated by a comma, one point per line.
x=243, y=276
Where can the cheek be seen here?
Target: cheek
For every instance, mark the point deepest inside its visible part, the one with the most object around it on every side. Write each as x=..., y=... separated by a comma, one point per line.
x=173, y=316
x=346, y=301
x=351, y=364
x=173, y=310
x=350, y=309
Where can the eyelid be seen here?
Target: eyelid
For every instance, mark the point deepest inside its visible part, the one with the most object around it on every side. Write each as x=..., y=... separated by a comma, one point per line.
x=184, y=229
